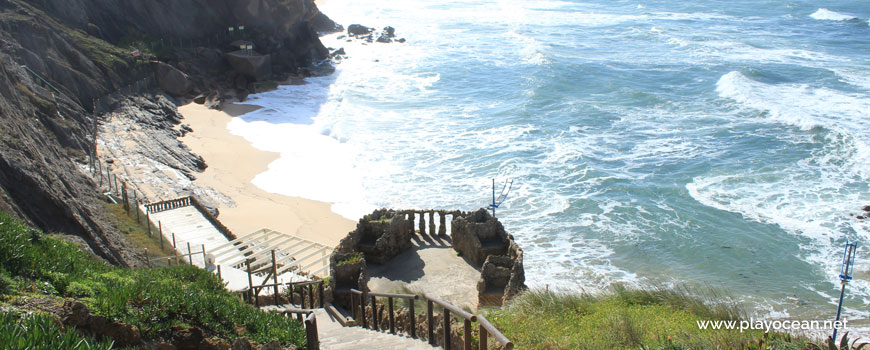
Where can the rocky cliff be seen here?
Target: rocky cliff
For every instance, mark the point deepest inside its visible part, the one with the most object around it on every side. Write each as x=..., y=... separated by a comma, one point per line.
x=58, y=56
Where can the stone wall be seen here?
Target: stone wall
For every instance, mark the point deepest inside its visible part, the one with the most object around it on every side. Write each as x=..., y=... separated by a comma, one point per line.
x=481, y=239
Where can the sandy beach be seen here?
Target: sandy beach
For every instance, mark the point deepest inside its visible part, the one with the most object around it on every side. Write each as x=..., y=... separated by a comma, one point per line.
x=233, y=162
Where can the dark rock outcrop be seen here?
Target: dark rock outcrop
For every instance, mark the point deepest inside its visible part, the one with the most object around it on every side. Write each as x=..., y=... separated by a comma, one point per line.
x=253, y=66
x=359, y=29
x=73, y=61
x=171, y=80
x=123, y=334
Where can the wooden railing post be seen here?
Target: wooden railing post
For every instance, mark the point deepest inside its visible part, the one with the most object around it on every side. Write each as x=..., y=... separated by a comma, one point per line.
x=392, y=316
x=320, y=290
x=362, y=308
x=311, y=296
x=219, y=272
x=250, y=279
x=189, y=253
x=467, y=330
x=311, y=332
x=275, y=276
x=482, y=337
x=413, y=318
x=375, y=318
x=447, y=332
x=430, y=316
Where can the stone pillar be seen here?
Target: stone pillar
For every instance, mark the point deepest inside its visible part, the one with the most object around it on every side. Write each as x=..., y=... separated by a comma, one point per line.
x=432, y=223
x=422, y=223
x=411, y=219
x=442, y=231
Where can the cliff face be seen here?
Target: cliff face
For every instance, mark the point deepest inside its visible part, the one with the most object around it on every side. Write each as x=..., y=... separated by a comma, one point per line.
x=77, y=47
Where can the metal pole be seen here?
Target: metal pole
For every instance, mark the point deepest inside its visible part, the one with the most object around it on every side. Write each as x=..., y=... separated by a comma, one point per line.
x=839, y=309
x=189, y=254
x=493, y=198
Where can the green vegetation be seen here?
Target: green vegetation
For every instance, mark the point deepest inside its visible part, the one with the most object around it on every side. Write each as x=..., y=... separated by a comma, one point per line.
x=41, y=331
x=137, y=232
x=108, y=56
x=381, y=219
x=353, y=259
x=628, y=319
x=151, y=299
x=44, y=105
x=844, y=344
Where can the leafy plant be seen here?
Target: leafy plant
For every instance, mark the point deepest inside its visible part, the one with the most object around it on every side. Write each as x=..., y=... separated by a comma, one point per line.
x=352, y=259
x=153, y=300
x=42, y=332
x=830, y=344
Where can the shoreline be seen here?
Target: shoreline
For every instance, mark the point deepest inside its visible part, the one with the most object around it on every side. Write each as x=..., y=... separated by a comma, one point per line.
x=232, y=162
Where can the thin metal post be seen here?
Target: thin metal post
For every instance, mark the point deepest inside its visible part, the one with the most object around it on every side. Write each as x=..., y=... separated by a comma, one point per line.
x=204, y=262
x=189, y=254
x=839, y=308
x=219, y=272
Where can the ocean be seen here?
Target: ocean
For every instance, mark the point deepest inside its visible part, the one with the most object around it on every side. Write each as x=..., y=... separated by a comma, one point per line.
x=651, y=143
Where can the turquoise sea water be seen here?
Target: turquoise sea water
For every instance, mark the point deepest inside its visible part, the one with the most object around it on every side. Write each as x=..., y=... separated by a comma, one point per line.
x=723, y=143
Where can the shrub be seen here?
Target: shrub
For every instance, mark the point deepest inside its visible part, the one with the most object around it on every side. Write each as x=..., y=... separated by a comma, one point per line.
x=42, y=332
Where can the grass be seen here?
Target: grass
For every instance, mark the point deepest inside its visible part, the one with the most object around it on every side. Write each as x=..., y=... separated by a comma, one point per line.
x=41, y=331
x=353, y=259
x=153, y=300
x=625, y=318
x=107, y=56
x=137, y=232
x=44, y=105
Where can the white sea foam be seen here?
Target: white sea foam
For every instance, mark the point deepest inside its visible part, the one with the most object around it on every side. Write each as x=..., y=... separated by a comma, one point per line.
x=812, y=200
x=384, y=131
x=824, y=14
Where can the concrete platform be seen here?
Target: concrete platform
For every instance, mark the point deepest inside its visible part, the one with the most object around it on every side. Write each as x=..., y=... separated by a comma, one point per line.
x=431, y=266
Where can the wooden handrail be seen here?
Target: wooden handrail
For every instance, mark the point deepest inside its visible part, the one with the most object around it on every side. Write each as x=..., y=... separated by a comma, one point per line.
x=488, y=328
x=254, y=291
x=462, y=313
x=392, y=295
x=312, y=339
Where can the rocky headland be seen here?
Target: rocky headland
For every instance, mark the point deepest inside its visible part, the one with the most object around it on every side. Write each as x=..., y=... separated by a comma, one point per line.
x=127, y=64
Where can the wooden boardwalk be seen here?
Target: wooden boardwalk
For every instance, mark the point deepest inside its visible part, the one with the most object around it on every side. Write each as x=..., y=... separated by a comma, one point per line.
x=198, y=237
